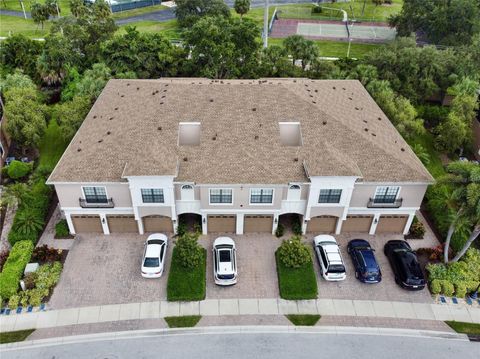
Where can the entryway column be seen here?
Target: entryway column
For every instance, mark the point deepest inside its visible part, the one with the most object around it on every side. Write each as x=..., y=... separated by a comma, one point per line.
x=373, y=226
x=338, y=227
x=275, y=223
x=103, y=220
x=71, y=227
x=240, y=220
x=204, y=224
x=304, y=225
x=409, y=223
x=141, y=230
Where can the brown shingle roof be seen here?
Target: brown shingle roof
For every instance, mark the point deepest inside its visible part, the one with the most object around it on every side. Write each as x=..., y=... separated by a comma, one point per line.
x=132, y=130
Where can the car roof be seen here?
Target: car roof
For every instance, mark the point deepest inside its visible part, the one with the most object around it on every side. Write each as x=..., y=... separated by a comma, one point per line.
x=324, y=238
x=153, y=250
x=333, y=253
x=157, y=236
x=223, y=241
x=368, y=258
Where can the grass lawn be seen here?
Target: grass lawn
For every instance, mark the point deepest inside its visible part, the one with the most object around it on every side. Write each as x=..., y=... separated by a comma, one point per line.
x=15, y=5
x=465, y=328
x=168, y=28
x=183, y=322
x=296, y=283
x=186, y=284
x=52, y=146
x=139, y=11
x=304, y=319
x=10, y=25
x=12, y=337
x=337, y=48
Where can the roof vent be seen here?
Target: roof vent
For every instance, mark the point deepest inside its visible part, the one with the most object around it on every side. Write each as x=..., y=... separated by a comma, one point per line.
x=189, y=133
x=290, y=133
x=108, y=132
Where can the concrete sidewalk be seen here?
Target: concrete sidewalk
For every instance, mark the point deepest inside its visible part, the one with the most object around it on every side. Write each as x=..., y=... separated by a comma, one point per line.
x=225, y=307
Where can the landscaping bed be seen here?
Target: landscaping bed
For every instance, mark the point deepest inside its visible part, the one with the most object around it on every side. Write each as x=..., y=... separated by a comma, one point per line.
x=471, y=329
x=17, y=336
x=183, y=322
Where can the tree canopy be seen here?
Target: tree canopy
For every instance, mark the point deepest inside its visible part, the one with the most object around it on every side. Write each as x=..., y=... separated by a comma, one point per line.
x=190, y=11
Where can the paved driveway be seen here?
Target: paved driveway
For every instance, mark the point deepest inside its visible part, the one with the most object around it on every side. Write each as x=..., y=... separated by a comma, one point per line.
x=257, y=274
x=351, y=288
x=106, y=270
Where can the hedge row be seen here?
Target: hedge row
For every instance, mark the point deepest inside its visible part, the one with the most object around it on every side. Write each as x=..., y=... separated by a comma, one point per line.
x=14, y=266
x=29, y=219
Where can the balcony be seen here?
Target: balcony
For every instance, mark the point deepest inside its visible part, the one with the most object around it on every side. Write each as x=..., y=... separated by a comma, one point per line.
x=98, y=203
x=384, y=203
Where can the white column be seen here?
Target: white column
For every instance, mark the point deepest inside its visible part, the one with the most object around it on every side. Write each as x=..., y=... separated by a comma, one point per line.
x=204, y=224
x=409, y=223
x=71, y=227
x=240, y=219
x=275, y=223
x=304, y=225
x=103, y=220
x=175, y=224
x=141, y=230
x=374, y=224
x=338, y=228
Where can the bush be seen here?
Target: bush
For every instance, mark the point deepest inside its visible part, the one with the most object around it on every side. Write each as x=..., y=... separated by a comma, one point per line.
x=417, y=229
x=296, y=283
x=190, y=253
x=14, y=301
x=45, y=254
x=30, y=280
x=18, y=169
x=48, y=275
x=14, y=267
x=293, y=253
x=36, y=296
x=181, y=229
x=297, y=226
x=461, y=290
x=447, y=288
x=436, y=286
x=186, y=284
x=317, y=10
x=280, y=231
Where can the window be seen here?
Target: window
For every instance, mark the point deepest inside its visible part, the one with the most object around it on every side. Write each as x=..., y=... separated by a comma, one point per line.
x=221, y=195
x=261, y=195
x=386, y=194
x=187, y=187
x=330, y=196
x=95, y=194
x=294, y=187
x=152, y=195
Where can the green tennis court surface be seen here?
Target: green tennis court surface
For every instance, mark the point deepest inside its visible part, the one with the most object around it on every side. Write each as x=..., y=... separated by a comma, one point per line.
x=357, y=32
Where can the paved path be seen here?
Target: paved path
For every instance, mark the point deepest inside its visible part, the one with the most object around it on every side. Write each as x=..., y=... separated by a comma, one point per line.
x=226, y=307
x=15, y=13
x=253, y=342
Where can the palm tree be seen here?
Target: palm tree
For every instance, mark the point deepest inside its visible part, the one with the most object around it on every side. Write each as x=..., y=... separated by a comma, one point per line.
x=463, y=203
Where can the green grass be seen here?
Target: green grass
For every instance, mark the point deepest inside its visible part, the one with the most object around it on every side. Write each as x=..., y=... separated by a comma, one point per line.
x=337, y=48
x=296, y=283
x=169, y=28
x=304, y=319
x=12, y=337
x=465, y=328
x=15, y=5
x=186, y=284
x=52, y=146
x=183, y=322
x=139, y=11
x=10, y=25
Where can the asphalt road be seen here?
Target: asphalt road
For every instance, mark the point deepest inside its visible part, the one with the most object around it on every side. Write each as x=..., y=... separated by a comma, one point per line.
x=258, y=344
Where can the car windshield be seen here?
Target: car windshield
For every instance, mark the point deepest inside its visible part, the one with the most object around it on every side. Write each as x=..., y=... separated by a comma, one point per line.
x=151, y=262
x=156, y=241
x=226, y=276
x=336, y=268
x=224, y=256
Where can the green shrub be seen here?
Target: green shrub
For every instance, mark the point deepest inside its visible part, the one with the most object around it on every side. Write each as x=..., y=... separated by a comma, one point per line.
x=317, y=10
x=436, y=286
x=18, y=169
x=36, y=296
x=61, y=229
x=186, y=284
x=296, y=283
x=24, y=298
x=14, y=301
x=190, y=253
x=48, y=275
x=297, y=226
x=447, y=288
x=280, y=231
x=30, y=279
x=461, y=290
x=4, y=171
x=417, y=229
x=14, y=267
x=181, y=228
x=293, y=253
x=472, y=286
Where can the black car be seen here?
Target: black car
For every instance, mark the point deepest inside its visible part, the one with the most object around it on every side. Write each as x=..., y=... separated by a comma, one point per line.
x=367, y=269
x=404, y=262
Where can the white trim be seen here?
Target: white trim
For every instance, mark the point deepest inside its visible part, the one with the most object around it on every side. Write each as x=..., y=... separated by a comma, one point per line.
x=239, y=221
x=104, y=222
x=393, y=183
x=374, y=224
x=387, y=186
x=261, y=204
x=83, y=192
x=364, y=210
x=406, y=229
x=220, y=204
x=71, y=227
x=98, y=210
x=244, y=211
x=335, y=204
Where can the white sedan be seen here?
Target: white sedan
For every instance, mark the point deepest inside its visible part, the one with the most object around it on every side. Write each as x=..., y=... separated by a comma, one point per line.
x=224, y=261
x=154, y=255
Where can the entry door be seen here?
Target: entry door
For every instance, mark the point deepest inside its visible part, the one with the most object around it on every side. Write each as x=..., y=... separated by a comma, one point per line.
x=187, y=192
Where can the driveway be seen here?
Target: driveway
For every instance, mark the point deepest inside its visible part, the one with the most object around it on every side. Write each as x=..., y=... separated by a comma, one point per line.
x=351, y=288
x=106, y=270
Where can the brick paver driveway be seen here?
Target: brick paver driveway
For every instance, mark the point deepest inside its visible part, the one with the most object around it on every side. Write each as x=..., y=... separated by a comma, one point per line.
x=257, y=274
x=106, y=270
x=351, y=288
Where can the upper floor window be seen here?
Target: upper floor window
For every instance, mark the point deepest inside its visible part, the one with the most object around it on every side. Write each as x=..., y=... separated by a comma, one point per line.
x=330, y=196
x=386, y=194
x=95, y=194
x=221, y=195
x=152, y=195
x=261, y=195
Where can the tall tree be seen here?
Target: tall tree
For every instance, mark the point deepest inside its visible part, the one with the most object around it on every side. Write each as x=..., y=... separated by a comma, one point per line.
x=241, y=7
x=40, y=13
x=301, y=49
x=190, y=11
x=71, y=114
x=18, y=51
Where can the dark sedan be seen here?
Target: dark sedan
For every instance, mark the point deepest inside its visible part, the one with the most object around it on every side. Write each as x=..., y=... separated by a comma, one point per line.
x=404, y=262
x=367, y=269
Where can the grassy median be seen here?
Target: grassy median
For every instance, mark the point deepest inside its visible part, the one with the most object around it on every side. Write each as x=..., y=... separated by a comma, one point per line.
x=186, y=284
x=12, y=337
x=185, y=321
x=465, y=328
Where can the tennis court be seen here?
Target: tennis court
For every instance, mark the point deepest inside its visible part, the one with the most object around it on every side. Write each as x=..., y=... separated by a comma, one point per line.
x=337, y=30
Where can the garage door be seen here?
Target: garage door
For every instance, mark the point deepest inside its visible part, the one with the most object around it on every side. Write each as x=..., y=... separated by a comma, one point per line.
x=257, y=223
x=394, y=224
x=87, y=224
x=122, y=224
x=221, y=224
x=357, y=224
x=322, y=224
x=157, y=224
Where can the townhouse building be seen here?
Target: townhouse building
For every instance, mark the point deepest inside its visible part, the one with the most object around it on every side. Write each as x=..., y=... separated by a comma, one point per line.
x=239, y=155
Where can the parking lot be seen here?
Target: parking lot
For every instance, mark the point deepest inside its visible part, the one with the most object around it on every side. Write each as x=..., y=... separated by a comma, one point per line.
x=106, y=270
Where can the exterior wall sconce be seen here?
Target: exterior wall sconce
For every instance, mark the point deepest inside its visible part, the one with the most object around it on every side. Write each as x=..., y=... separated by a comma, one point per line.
x=276, y=220
x=204, y=220
x=103, y=220
x=375, y=221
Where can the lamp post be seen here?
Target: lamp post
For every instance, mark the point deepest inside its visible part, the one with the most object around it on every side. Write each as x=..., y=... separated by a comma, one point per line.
x=265, y=25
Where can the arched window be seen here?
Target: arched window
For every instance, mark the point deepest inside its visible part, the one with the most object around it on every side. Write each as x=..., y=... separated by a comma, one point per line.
x=187, y=186
x=294, y=186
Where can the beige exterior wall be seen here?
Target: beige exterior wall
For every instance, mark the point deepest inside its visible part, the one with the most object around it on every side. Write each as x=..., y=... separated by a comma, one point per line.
x=155, y=210
x=326, y=211
x=68, y=194
x=178, y=192
x=412, y=194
